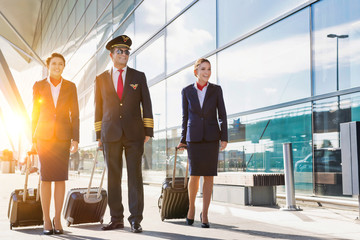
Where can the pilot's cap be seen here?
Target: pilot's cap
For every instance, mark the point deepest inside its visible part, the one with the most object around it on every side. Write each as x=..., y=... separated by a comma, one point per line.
x=121, y=41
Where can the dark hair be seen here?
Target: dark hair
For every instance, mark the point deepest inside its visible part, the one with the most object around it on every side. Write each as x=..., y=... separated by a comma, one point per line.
x=54, y=55
x=198, y=62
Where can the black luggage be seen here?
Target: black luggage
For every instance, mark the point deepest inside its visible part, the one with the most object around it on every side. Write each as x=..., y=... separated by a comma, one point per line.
x=25, y=205
x=86, y=205
x=174, y=200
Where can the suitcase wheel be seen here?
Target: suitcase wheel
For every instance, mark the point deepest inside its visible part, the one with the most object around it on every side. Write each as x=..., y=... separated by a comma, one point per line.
x=68, y=223
x=162, y=218
x=11, y=226
x=101, y=221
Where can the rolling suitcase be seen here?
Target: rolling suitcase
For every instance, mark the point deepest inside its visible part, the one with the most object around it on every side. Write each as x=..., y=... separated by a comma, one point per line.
x=174, y=200
x=86, y=205
x=25, y=205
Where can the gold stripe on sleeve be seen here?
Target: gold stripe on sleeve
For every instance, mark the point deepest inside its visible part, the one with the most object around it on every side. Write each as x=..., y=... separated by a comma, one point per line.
x=149, y=122
x=97, y=126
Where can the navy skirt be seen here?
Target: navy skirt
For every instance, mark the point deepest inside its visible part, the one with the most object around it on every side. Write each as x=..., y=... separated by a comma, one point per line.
x=203, y=158
x=54, y=159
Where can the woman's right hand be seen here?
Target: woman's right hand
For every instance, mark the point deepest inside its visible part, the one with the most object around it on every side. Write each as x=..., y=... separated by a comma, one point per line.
x=181, y=145
x=33, y=148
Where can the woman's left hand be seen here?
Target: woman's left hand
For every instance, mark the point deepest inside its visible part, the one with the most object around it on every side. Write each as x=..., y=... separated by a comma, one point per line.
x=74, y=146
x=223, y=145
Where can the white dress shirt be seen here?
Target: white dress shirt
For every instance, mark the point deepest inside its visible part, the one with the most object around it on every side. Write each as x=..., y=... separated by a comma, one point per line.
x=115, y=74
x=55, y=91
x=201, y=93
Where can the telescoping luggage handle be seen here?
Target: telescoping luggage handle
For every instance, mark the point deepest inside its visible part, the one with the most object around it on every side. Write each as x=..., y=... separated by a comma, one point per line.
x=92, y=198
x=30, y=154
x=174, y=170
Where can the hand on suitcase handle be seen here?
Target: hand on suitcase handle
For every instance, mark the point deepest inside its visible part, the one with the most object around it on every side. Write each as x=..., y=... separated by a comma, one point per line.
x=181, y=146
x=32, y=150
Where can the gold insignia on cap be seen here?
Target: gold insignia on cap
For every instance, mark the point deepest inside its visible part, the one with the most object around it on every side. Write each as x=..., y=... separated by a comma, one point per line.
x=134, y=86
x=125, y=38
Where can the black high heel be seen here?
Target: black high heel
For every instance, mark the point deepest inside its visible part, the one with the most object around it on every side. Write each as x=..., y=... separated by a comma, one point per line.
x=57, y=231
x=48, y=232
x=204, y=225
x=189, y=221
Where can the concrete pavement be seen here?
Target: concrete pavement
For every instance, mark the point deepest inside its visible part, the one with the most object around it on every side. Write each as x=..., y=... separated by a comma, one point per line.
x=227, y=221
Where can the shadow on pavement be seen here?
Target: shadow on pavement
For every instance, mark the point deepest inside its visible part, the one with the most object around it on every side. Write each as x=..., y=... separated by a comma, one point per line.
x=67, y=234
x=255, y=233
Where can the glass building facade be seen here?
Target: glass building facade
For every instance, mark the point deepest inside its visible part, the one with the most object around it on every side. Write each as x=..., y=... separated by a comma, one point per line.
x=284, y=78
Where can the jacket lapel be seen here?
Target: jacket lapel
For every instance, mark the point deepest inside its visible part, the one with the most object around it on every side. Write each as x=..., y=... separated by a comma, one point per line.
x=61, y=93
x=47, y=93
x=209, y=90
x=195, y=98
x=110, y=83
x=128, y=78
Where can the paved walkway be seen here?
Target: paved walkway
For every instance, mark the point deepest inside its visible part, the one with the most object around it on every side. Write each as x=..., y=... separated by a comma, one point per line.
x=227, y=221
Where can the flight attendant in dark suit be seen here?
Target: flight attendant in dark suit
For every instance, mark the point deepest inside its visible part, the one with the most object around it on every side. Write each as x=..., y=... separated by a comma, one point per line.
x=123, y=121
x=55, y=128
x=203, y=112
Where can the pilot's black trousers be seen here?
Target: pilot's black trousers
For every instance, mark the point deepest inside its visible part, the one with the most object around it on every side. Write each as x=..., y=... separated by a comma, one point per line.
x=113, y=152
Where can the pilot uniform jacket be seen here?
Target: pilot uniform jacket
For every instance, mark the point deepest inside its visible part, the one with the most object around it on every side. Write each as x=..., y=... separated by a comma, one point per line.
x=201, y=124
x=50, y=122
x=131, y=116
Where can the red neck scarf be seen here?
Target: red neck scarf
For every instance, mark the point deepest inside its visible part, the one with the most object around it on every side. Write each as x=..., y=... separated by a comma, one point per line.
x=53, y=80
x=199, y=86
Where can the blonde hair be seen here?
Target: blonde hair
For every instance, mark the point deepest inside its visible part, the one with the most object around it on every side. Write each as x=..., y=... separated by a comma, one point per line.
x=198, y=62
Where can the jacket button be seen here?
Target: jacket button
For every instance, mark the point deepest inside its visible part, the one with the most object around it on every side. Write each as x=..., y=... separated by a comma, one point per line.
x=120, y=116
x=120, y=104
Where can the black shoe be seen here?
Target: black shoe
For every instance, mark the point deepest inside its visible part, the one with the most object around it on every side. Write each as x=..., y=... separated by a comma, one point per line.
x=113, y=225
x=189, y=221
x=204, y=225
x=48, y=232
x=57, y=231
x=136, y=227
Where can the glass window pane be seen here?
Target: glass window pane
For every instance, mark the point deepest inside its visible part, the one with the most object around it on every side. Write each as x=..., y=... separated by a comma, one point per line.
x=104, y=27
x=328, y=114
x=237, y=17
x=90, y=16
x=128, y=29
x=336, y=33
x=267, y=68
x=255, y=143
x=157, y=93
x=149, y=18
x=154, y=51
x=121, y=10
x=173, y=95
x=191, y=35
x=174, y=7
x=155, y=157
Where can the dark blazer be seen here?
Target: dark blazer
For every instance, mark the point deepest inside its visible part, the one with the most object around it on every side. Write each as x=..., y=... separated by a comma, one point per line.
x=132, y=116
x=202, y=124
x=48, y=122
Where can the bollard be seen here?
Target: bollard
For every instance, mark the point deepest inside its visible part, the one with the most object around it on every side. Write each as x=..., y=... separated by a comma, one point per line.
x=289, y=179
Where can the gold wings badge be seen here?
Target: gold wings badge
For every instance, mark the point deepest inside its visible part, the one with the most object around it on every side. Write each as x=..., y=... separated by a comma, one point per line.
x=134, y=86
